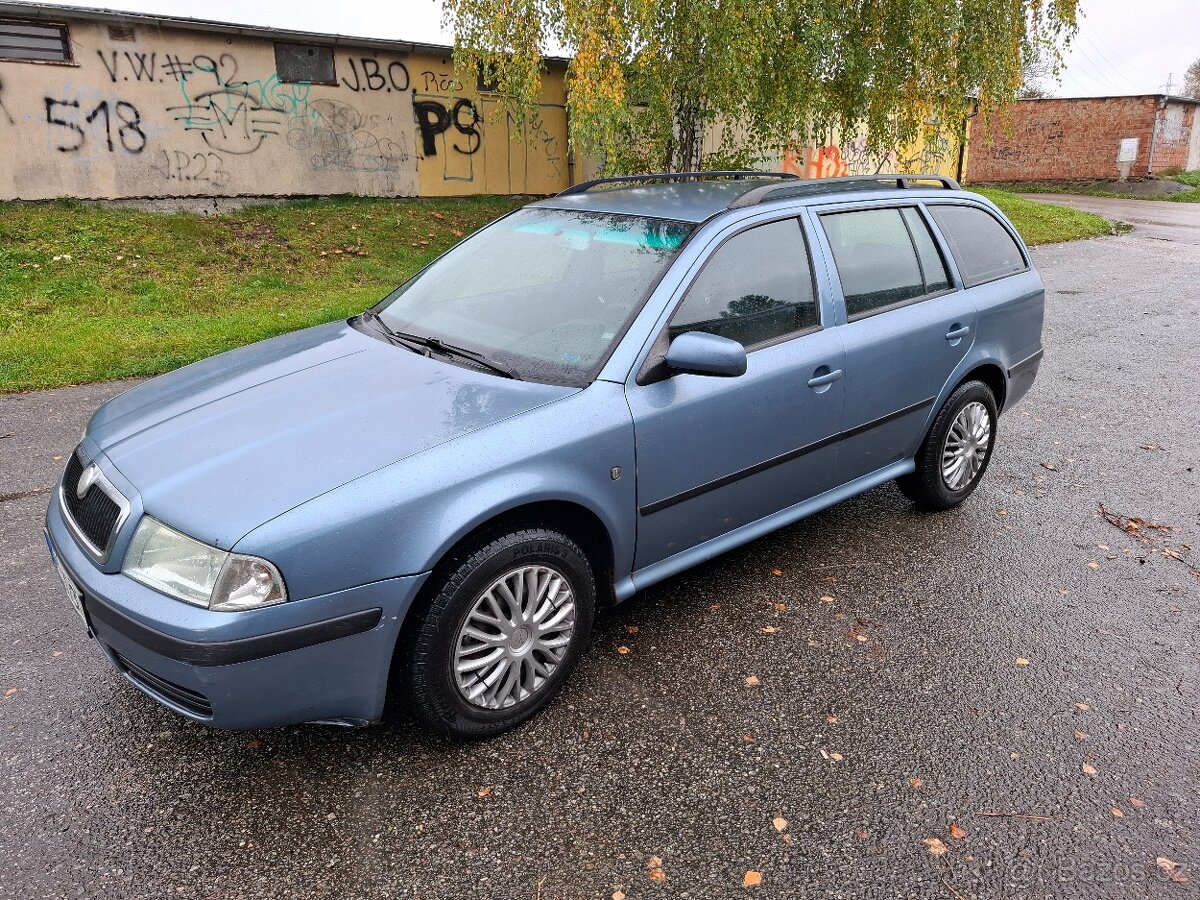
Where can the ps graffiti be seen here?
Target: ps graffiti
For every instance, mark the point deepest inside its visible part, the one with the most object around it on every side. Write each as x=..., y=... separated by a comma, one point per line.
x=434, y=119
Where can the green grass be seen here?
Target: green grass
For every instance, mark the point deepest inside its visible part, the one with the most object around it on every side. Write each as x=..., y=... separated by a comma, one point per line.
x=1089, y=189
x=1044, y=223
x=90, y=293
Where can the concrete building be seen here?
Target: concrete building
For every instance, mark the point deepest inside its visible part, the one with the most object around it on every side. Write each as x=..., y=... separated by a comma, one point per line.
x=1085, y=138
x=103, y=105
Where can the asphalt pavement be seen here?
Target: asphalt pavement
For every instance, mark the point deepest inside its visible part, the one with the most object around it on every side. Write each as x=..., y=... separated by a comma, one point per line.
x=1158, y=220
x=994, y=702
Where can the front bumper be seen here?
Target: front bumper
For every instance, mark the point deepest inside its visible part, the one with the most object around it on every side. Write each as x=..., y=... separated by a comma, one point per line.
x=324, y=658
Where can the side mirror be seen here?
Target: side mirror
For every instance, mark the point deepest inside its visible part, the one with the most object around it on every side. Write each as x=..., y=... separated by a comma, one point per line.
x=699, y=353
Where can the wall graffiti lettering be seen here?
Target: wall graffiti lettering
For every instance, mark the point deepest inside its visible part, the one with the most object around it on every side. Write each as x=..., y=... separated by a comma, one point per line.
x=439, y=83
x=180, y=165
x=3, y=108
x=392, y=77
x=540, y=135
x=339, y=137
x=233, y=116
x=122, y=118
x=434, y=119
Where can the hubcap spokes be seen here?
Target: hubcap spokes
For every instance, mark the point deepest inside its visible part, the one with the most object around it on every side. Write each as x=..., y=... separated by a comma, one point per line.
x=514, y=637
x=966, y=445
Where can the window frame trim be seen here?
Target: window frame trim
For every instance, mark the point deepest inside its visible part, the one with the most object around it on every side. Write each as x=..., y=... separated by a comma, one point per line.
x=795, y=216
x=1012, y=233
x=898, y=204
x=332, y=58
x=68, y=44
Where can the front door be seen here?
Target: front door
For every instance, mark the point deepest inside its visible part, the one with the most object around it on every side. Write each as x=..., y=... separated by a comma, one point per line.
x=907, y=328
x=717, y=453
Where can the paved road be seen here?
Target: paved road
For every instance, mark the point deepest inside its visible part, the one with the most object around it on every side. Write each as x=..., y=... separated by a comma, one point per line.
x=1154, y=219
x=867, y=748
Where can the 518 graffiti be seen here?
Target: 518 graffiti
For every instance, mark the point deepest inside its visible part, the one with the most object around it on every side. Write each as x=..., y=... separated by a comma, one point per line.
x=121, y=118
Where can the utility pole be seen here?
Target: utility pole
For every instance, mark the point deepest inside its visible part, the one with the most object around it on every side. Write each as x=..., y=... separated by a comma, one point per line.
x=1170, y=83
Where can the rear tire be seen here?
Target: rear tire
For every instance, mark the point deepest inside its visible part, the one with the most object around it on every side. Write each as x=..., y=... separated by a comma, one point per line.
x=957, y=450
x=501, y=626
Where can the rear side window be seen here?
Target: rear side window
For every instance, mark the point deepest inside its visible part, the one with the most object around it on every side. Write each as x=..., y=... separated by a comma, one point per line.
x=875, y=257
x=982, y=247
x=755, y=288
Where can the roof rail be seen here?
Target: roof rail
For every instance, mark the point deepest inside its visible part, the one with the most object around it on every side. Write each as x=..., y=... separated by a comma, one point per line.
x=765, y=192
x=584, y=186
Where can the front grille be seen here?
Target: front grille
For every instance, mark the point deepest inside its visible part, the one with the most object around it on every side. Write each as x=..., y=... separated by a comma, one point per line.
x=95, y=514
x=193, y=702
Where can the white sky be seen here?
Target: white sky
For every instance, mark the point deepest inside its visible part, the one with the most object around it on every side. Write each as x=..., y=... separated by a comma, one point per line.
x=1122, y=47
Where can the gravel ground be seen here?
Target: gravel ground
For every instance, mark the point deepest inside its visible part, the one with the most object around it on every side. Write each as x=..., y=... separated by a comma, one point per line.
x=880, y=716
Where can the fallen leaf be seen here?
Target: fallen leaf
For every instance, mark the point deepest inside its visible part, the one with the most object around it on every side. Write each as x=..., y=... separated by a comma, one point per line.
x=861, y=638
x=826, y=599
x=618, y=895
x=254, y=744
x=1082, y=706
x=1172, y=869
x=1050, y=466
x=787, y=839
x=623, y=650
x=780, y=823
x=777, y=571
x=1088, y=769
x=769, y=629
x=485, y=792
x=1136, y=803
x=1117, y=812
x=654, y=862
x=1022, y=661
x=658, y=875
x=861, y=834
x=781, y=607
x=10, y=692
x=915, y=782
x=836, y=757
x=751, y=680
x=956, y=831
x=831, y=719
x=1080, y=736
x=748, y=738
x=934, y=846
x=632, y=629
x=1093, y=565
x=752, y=879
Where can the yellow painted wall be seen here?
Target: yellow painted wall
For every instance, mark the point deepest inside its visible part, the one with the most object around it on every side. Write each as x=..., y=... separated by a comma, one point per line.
x=466, y=145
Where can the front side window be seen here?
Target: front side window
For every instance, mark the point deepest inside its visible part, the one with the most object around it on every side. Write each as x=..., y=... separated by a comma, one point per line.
x=755, y=288
x=884, y=258
x=982, y=247
x=544, y=292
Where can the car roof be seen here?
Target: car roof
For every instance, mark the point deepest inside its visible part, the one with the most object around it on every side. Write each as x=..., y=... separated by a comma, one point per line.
x=696, y=201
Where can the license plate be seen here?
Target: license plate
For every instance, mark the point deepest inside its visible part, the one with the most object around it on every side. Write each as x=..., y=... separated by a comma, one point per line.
x=74, y=595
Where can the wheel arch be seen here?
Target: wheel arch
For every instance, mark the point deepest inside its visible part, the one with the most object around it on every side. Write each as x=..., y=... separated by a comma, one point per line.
x=992, y=375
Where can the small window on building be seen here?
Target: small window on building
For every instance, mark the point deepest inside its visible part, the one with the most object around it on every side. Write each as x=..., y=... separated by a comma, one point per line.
x=486, y=82
x=756, y=288
x=982, y=247
x=309, y=63
x=26, y=41
x=121, y=32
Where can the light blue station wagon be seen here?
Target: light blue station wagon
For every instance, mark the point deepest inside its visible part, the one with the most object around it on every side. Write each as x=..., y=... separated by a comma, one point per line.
x=587, y=396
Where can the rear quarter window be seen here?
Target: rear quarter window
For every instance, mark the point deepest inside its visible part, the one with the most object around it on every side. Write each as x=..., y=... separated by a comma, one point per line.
x=982, y=247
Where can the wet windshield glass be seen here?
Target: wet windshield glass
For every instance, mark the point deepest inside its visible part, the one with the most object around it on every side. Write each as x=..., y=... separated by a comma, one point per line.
x=542, y=292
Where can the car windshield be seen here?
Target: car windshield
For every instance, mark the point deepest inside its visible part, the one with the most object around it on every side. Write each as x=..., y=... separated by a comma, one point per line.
x=542, y=292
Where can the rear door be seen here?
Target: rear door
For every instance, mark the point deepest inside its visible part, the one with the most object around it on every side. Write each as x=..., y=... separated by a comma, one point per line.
x=715, y=453
x=906, y=327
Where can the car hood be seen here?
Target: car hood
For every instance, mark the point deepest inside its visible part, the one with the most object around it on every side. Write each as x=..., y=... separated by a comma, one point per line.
x=219, y=447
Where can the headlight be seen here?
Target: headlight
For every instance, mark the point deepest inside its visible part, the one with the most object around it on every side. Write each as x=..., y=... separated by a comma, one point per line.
x=162, y=558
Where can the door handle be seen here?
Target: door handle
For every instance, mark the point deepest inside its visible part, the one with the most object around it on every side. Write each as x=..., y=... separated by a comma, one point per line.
x=821, y=380
x=957, y=332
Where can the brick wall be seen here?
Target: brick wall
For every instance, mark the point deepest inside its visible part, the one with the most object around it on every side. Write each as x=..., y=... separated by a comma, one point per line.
x=1078, y=139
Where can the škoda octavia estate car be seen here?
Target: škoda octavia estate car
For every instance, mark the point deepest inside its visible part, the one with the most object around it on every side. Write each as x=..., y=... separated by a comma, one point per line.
x=587, y=396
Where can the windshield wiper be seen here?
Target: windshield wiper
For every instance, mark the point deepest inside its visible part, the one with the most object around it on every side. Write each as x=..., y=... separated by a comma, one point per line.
x=415, y=341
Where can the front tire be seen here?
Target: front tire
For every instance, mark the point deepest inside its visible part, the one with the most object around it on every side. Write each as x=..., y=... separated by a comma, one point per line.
x=957, y=450
x=503, y=624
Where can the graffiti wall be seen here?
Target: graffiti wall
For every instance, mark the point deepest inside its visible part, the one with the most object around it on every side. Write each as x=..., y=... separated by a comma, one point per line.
x=937, y=155
x=167, y=112
x=466, y=145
